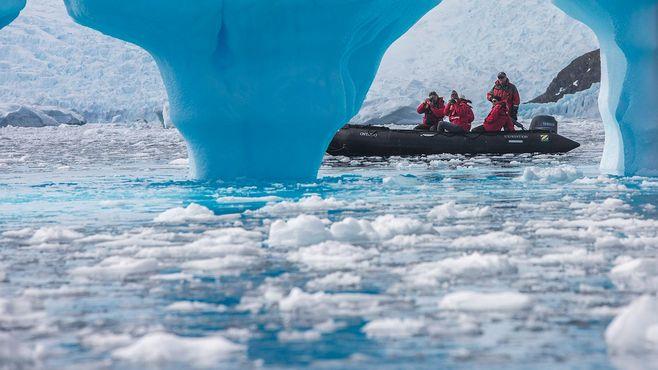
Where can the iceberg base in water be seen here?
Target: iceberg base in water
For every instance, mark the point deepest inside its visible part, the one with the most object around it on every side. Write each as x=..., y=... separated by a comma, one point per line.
x=258, y=89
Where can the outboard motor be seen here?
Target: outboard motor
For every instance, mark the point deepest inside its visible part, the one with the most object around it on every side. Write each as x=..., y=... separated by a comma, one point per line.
x=544, y=123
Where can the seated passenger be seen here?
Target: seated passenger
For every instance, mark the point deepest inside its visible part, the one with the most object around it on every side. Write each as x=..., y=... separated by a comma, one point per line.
x=498, y=118
x=432, y=108
x=460, y=114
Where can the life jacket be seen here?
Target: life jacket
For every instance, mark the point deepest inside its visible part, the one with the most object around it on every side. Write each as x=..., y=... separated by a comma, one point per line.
x=499, y=119
x=460, y=113
x=508, y=93
x=434, y=114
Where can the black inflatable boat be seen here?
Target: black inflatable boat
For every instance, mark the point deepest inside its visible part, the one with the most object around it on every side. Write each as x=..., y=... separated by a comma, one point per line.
x=357, y=141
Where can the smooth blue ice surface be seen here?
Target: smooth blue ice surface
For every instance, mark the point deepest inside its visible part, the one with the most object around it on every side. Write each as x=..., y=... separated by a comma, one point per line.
x=9, y=10
x=258, y=88
x=628, y=33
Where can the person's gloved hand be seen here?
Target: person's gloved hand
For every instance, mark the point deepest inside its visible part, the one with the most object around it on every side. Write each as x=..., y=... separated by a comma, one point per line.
x=514, y=112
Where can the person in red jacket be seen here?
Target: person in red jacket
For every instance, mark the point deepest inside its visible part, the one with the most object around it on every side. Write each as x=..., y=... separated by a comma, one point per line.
x=508, y=93
x=432, y=108
x=460, y=114
x=498, y=118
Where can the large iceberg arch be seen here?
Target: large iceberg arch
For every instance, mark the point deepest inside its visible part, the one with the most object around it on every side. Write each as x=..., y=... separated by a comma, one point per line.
x=628, y=34
x=9, y=10
x=258, y=88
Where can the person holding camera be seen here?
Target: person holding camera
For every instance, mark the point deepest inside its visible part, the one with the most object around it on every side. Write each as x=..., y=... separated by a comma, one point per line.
x=459, y=113
x=508, y=93
x=498, y=118
x=432, y=108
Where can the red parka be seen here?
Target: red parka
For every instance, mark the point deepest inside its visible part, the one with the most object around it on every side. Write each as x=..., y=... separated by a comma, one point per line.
x=433, y=113
x=460, y=113
x=508, y=93
x=498, y=119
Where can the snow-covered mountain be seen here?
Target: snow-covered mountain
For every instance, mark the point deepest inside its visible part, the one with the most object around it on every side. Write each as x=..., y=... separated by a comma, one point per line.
x=46, y=59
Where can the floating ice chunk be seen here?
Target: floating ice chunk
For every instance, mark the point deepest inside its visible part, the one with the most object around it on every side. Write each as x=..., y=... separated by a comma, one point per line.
x=190, y=306
x=191, y=213
x=563, y=173
x=166, y=349
x=62, y=291
x=452, y=210
x=18, y=234
x=382, y=228
x=485, y=302
x=335, y=281
x=105, y=341
x=299, y=336
x=389, y=226
x=180, y=162
x=576, y=257
x=633, y=330
x=394, y=328
x=311, y=335
x=117, y=268
x=632, y=242
x=232, y=265
x=15, y=353
x=299, y=231
x=321, y=303
x=263, y=199
x=607, y=208
x=637, y=275
x=472, y=266
x=494, y=240
x=215, y=243
x=311, y=204
x=180, y=276
x=54, y=234
x=352, y=230
x=20, y=313
x=333, y=255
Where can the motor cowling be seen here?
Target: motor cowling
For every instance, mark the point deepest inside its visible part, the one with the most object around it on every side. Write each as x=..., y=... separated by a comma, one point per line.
x=544, y=123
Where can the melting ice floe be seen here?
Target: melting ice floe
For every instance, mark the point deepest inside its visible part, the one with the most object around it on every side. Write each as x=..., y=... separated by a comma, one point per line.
x=485, y=302
x=635, y=329
x=165, y=348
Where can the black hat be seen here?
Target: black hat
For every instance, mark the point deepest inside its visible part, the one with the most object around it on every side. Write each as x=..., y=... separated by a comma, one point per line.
x=454, y=92
x=433, y=93
x=502, y=75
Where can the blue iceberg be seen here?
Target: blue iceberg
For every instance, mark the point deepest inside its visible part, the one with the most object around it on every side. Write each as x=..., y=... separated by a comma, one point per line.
x=259, y=88
x=628, y=33
x=9, y=10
